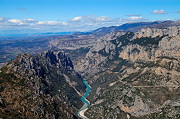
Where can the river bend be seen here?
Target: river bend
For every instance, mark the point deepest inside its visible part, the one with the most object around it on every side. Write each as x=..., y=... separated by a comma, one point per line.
x=86, y=102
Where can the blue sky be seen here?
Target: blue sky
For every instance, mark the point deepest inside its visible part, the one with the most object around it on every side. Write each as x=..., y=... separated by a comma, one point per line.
x=81, y=15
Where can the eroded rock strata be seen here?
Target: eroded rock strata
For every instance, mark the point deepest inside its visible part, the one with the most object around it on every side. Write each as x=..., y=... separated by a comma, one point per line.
x=134, y=74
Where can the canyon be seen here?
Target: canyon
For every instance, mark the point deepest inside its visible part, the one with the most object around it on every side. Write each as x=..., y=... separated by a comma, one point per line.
x=133, y=73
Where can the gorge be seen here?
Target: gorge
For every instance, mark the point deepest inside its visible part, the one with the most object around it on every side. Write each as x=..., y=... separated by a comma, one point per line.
x=117, y=75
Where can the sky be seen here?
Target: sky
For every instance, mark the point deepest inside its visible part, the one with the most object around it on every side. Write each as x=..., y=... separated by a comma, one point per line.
x=21, y=16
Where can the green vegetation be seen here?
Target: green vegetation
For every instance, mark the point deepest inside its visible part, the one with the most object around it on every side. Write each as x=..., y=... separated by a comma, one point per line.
x=124, y=39
x=9, y=114
x=103, y=52
x=7, y=78
x=145, y=41
x=77, y=54
x=121, y=63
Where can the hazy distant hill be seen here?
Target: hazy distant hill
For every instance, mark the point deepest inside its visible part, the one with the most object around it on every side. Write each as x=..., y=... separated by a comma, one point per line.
x=134, y=26
x=38, y=42
x=6, y=36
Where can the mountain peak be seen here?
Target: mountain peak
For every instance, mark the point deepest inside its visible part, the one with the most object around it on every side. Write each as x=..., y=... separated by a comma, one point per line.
x=46, y=86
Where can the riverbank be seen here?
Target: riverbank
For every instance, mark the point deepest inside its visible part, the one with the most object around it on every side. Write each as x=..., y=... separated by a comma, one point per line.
x=81, y=114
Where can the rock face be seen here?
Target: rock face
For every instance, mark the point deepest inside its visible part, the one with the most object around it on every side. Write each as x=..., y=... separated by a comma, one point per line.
x=168, y=46
x=40, y=86
x=134, y=74
x=76, y=41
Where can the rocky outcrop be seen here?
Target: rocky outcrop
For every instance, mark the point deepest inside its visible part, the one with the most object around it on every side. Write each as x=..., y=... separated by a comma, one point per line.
x=168, y=46
x=93, y=58
x=155, y=32
x=40, y=86
x=146, y=44
x=134, y=74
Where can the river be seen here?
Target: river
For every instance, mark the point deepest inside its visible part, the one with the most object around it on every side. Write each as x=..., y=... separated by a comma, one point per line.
x=86, y=102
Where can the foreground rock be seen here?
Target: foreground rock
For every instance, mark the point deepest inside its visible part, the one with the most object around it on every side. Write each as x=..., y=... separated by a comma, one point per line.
x=40, y=86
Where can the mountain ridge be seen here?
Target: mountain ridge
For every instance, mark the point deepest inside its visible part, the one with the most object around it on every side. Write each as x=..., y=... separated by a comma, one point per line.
x=44, y=86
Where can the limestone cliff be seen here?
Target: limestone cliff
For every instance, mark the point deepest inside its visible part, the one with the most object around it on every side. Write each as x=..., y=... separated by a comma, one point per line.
x=134, y=74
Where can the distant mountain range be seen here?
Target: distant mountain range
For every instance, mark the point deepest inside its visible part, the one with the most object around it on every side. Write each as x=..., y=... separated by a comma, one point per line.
x=130, y=27
x=11, y=46
x=14, y=35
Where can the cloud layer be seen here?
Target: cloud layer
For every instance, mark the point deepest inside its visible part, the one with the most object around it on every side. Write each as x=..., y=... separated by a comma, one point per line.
x=79, y=23
x=159, y=12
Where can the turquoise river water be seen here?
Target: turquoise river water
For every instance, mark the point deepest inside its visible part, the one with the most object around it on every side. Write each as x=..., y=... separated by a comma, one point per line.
x=83, y=98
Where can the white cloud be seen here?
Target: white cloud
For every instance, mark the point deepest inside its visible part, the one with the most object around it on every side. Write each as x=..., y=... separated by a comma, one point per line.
x=159, y=12
x=90, y=22
x=29, y=20
x=79, y=23
x=15, y=22
x=76, y=19
x=90, y=19
x=47, y=22
x=103, y=18
x=51, y=23
x=135, y=18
